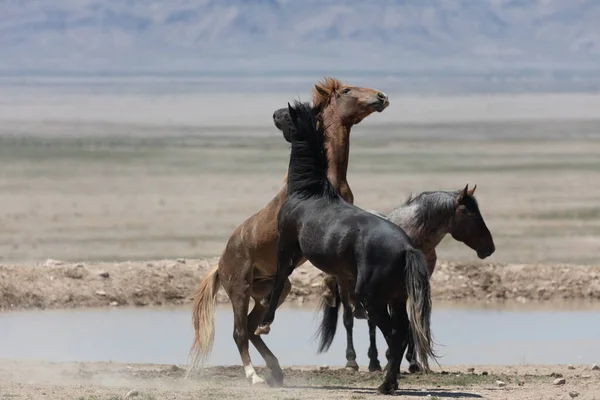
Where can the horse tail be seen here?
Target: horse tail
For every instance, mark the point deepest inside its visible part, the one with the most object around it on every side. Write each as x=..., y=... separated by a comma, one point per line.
x=203, y=318
x=419, y=295
x=326, y=331
x=307, y=172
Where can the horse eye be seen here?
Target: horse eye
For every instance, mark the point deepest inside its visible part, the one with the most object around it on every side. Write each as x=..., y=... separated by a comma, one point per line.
x=470, y=214
x=346, y=91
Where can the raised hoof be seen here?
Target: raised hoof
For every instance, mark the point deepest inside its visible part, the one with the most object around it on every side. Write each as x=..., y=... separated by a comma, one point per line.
x=359, y=313
x=352, y=365
x=263, y=330
x=375, y=367
x=387, y=388
x=414, y=368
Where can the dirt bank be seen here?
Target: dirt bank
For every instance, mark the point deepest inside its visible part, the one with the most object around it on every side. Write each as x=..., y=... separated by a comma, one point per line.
x=111, y=381
x=54, y=284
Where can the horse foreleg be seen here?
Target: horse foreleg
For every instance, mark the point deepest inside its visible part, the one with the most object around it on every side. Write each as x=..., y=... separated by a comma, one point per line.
x=351, y=298
x=349, y=325
x=288, y=256
x=373, y=354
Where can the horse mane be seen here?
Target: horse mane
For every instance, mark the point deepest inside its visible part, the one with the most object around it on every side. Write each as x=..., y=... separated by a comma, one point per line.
x=307, y=173
x=324, y=90
x=432, y=208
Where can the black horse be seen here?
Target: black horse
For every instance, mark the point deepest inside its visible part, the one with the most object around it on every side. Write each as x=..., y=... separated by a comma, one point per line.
x=427, y=218
x=373, y=260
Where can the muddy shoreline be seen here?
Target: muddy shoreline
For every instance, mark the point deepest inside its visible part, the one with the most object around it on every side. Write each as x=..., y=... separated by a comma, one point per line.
x=54, y=284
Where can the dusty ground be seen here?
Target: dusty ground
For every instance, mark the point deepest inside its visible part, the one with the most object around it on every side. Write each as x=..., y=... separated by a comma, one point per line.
x=110, y=381
x=53, y=284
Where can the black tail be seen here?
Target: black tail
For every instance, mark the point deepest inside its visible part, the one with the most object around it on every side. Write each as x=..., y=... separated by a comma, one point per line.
x=307, y=174
x=419, y=296
x=328, y=326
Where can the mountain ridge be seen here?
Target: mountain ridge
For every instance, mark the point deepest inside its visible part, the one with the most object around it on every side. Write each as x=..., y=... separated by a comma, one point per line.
x=222, y=35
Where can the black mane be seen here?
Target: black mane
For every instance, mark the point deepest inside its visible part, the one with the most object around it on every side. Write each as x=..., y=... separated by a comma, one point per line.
x=307, y=174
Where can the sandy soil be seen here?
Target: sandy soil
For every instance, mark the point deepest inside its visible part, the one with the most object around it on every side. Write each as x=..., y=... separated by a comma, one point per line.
x=110, y=381
x=54, y=284
x=174, y=176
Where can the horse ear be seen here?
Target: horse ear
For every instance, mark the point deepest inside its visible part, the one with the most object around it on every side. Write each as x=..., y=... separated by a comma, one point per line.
x=472, y=191
x=462, y=194
x=321, y=90
x=293, y=114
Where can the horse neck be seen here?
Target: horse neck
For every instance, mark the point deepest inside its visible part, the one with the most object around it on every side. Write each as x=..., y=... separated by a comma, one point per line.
x=338, y=148
x=425, y=239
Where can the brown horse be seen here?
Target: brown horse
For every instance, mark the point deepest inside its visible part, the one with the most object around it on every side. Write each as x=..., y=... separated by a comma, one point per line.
x=248, y=264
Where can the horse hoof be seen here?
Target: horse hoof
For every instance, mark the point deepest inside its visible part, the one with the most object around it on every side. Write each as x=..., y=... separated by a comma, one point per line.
x=414, y=368
x=376, y=367
x=387, y=388
x=257, y=381
x=263, y=330
x=359, y=313
x=275, y=382
x=352, y=365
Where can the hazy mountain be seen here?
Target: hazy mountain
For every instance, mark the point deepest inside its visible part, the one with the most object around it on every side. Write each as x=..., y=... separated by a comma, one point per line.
x=296, y=35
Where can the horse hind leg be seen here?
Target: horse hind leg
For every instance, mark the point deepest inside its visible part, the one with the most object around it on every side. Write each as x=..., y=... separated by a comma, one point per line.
x=254, y=319
x=349, y=325
x=374, y=364
x=380, y=316
x=239, y=295
x=411, y=357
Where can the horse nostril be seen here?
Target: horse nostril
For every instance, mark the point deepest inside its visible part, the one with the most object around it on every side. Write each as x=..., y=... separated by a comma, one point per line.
x=382, y=96
x=275, y=115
